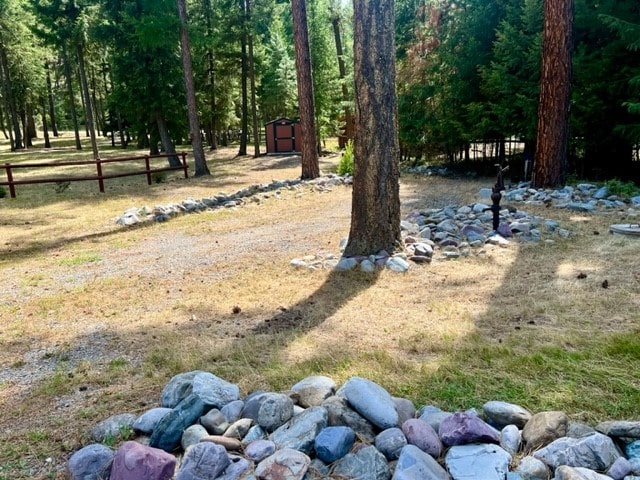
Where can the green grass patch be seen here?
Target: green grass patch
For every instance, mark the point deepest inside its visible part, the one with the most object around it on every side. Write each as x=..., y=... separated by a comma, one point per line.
x=81, y=259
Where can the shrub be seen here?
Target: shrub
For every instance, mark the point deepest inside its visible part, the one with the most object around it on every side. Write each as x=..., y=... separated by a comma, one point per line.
x=622, y=189
x=345, y=167
x=3, y=192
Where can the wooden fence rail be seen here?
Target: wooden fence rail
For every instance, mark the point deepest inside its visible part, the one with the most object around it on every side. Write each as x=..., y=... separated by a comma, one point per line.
x=100, y=176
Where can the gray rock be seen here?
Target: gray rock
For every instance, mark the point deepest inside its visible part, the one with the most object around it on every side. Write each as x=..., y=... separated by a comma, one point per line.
x=193, y=435
x=90, y=463
x=371, y=401
x=367, y=266
x=433, y=416
x=390, y=442
x=214, y=391
x=214, y=421
x=178, y=388
x=397, y=264
x=601, y=193
x=620, y=469
x=462, y=428
x=233, y=410
x=422, y=435
x=316, y=470
x=339, y=414
x=501, y=414
x=269, y=410
x=510, y=438
x=285, y=464
x=203, y=461
x=621, y=429
x=632, y=449
x=147, y=422
x=477, y=461
x=255, y=433
x=168, y=433
x=414, y=464
x=596, y=452
x=578, y=473
x=112, y=427
x=259, y=450
x=367, y=463
x=239, y=429
x=346, y=263
x=581, y=206
x=405, y=409
x=543, y=428
x=578, y=430
x=300, y=432
x=333, y=443
x=236, y=469
x=531, y=468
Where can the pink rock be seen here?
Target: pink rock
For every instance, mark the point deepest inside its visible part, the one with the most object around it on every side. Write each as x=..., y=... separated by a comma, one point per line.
x=423, y=436
x=134, y=461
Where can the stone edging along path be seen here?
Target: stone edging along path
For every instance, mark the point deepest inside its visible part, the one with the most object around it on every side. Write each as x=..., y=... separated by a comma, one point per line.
x=449, y=233
x=202, y=429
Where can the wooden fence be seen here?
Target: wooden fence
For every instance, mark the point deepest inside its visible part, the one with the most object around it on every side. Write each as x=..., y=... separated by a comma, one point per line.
x=100, y=176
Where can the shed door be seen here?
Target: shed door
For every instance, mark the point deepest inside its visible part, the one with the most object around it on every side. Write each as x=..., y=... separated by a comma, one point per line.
x=284, y=138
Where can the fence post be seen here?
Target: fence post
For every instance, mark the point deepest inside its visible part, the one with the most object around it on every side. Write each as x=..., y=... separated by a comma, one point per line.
x=148, y=169
x=12, y=187
x=100, y=179
x=184, y=164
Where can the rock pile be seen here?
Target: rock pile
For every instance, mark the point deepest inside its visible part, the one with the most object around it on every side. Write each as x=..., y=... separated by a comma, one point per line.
x=204, y=430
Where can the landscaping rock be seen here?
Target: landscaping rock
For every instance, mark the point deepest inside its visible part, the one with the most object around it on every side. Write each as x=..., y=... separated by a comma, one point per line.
x=285, y=464
x=339, y=414
x=597, y=452
x=258, y=450
x=147, y=422
x=178, y=388
x=620, y=429
x=544, y=428
x=462, y=428
x=390, y=442
x=214, y=391
x=422, y=435
x=193, y=435
x=168, y=433
x=203, y=461
x=475, y=461
x=92, y=462
x=501, y=414
x=312, y=391
x=134, y=461
x=510, y=439
x=366, y=463
x=269, y=410
x=215, y=422
x=113, y=427
x=371, y=401
x=570, y=473
x=300, y=432
x=415, y=464
x=333, y=443
x=531, y=468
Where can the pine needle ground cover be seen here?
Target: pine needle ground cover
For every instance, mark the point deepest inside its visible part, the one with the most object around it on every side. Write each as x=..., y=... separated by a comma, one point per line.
x=95, y=318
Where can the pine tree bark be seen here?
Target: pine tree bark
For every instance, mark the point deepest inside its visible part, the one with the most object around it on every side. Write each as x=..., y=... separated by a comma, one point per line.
x=45, y=129
x=200, y=161
x=16, y=144
x=252, y=84
x=306, y=108
x=550, y=165
x=52, y=110
x=213, y=141
x=72, y=102
x=244, y=120
x=88, y=104
x=375, y=209
x=165, y=139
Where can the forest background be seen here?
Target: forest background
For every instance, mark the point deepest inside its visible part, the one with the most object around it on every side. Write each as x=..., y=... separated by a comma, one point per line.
x=468, y=75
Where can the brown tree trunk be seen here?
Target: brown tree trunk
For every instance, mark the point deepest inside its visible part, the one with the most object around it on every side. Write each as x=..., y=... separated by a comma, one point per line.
x=200, y=161
x=252, y=84
x=335, y=22
x=88, y=104
x=211, y=128
x=375, y=210
x=306, y=109
x=45, y=129
x=244, y=120
x=72, y=102
x=52, y=110
x=550, y=163
x=11, y=100
x=165, y=140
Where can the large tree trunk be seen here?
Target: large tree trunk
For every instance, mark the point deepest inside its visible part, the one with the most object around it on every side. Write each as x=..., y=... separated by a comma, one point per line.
x=194, y=125
x=165, y=140
x=308, y=150
x=4, y=132
x=52, y=110
x=89, y=121
x=211, y=127
x=45, y=129
x=252, y=82
x=550, y=166
x=11, y=100
x=72, y=102
x=244, y=122
x=375, y=211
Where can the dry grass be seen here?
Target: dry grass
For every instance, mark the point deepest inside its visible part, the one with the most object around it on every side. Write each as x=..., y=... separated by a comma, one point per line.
x=95, y=318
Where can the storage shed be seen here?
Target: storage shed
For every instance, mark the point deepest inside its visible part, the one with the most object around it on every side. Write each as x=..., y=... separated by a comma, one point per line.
x=283, y=136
